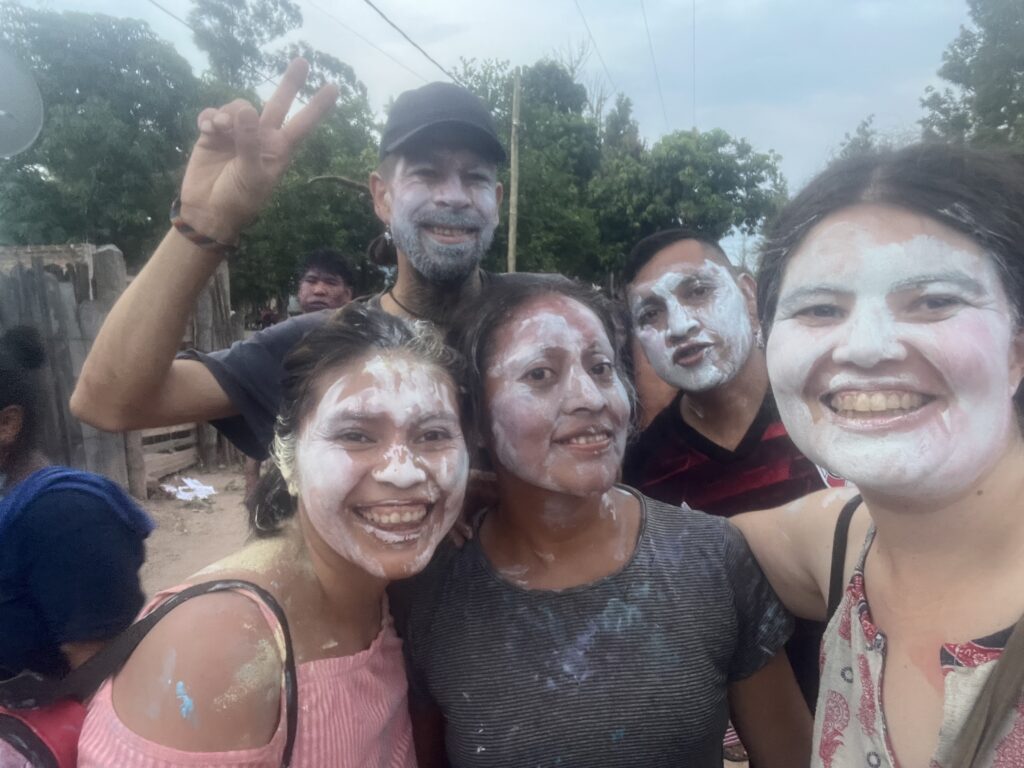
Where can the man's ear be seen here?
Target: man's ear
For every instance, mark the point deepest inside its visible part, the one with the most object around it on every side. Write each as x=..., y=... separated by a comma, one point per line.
x=381, y=197
x=748, y=287
x=12, y=418
x=499, y=194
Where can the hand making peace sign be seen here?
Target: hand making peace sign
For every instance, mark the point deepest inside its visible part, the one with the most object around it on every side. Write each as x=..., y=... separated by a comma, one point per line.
x=241, y=154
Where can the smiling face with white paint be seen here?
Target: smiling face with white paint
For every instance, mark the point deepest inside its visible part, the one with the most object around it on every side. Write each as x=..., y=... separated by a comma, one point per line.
x=558, y=411
x=381, y=463
x=693, y=317
x=894, y=354
x=442, y=207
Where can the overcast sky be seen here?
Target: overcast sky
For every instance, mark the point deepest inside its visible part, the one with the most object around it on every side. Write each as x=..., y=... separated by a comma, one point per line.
x=788, y=75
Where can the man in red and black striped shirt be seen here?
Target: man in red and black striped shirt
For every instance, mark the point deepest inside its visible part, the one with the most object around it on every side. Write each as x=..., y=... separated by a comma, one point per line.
x=719, y=445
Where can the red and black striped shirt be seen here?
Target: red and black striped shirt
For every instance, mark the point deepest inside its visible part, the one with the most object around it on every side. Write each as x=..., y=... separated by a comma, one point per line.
x=674, y=463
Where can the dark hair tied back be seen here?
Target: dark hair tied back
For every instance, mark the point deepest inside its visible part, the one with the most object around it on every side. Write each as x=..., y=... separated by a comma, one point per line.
x=24, y=346
x=21, y=355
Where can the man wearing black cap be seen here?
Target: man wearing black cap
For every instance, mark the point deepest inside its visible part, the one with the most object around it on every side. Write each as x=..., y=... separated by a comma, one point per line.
x=435, y=189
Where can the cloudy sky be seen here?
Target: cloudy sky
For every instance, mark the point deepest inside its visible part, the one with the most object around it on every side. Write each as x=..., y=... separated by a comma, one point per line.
x=788, y=75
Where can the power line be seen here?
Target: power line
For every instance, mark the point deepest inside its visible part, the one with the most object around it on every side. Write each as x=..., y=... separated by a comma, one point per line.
x=265, y=78
x=597, y=49
x=366, y=40
x=654, y=63
x=412, y=42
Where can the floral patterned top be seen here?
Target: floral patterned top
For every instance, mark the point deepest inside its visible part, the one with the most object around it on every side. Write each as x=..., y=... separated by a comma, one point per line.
x=850, y=728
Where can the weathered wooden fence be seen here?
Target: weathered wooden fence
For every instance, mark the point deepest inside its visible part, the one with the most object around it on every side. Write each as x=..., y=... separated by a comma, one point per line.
x=65, y=293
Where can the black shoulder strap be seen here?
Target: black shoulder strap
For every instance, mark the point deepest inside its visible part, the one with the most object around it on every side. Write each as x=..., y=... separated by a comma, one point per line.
x=29, y=690
x=839, y=539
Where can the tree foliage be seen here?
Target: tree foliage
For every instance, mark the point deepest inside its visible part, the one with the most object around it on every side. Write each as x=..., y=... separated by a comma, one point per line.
x=590, y=188
x=234, y=33
x=984, y=103
x=119, y=110
x=113, y=148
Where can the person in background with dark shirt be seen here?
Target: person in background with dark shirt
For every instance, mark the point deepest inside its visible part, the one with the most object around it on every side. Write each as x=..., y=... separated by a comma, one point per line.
x=71, y=542
x=720, y=445
x=326, y=280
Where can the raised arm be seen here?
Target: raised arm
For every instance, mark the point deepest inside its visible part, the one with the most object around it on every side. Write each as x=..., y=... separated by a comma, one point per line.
x=130, y=380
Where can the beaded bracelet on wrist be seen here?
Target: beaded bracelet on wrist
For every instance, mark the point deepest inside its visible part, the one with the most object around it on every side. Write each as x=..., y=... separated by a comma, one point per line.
x=201, y=240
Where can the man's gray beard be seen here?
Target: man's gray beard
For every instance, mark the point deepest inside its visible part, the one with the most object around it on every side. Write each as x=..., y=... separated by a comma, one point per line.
x=437, y=262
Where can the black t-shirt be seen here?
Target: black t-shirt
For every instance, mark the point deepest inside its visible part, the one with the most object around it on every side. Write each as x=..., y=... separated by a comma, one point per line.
x=250, y=373
x=629, y=670
x=68, y=573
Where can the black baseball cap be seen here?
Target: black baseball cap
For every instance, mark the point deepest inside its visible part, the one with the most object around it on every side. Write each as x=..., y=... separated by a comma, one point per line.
x=444, y=110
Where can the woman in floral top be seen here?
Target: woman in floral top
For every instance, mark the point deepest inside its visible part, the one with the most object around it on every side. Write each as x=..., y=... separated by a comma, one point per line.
x=892, y=289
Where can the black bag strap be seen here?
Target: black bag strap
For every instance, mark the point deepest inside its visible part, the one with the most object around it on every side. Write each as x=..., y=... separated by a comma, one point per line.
x=30, y=690
x=836, y=582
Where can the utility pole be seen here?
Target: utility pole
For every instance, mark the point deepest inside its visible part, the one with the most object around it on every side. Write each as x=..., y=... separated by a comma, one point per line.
x=513, y=192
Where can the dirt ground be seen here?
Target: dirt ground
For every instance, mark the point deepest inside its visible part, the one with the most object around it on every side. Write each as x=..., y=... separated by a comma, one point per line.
x=193, y=534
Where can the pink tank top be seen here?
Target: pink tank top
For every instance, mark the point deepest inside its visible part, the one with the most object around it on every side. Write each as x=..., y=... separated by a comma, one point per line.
x=850, y=727
x=352, y=712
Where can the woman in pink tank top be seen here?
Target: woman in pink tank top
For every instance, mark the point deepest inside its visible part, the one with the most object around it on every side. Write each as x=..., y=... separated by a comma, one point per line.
x=373, y=468
x=892, y=292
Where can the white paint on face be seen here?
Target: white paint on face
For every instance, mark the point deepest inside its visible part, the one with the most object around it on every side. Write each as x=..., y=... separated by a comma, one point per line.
x=892, y=356
x=559, y=412
x=693, y=323
x=444, y=208
x=382, y=464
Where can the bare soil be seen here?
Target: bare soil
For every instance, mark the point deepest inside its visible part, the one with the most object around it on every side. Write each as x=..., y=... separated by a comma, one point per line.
x=192, y=534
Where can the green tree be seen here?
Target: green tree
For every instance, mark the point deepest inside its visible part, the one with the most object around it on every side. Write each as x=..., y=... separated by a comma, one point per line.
x=238, y=36
x=120, y=106
x=709, y=181
x=234, y=34
x=864, y=139
x=588, y=192
x=621, y=132
x=985, y=66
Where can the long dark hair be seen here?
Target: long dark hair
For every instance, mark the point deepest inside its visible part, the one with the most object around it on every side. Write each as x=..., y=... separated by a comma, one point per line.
x=478, y=320
x=977, y=193
x=352, y=332
x=21, y=356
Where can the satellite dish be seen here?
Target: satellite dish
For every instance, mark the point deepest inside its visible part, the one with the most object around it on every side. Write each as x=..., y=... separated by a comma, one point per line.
x=21, y=106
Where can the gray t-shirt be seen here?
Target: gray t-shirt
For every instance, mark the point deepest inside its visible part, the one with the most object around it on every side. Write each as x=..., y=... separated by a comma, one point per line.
x=631, y=670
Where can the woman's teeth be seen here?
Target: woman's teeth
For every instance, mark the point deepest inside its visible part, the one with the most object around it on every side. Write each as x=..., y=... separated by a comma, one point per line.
x=863, y=402
x=394, y=515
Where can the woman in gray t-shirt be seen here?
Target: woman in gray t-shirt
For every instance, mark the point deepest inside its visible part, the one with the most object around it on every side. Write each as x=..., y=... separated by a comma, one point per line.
x=584, y=624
